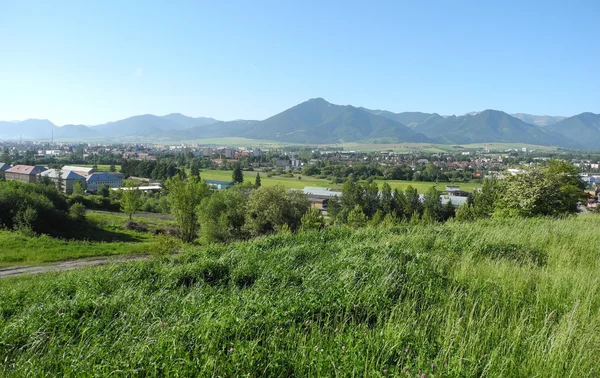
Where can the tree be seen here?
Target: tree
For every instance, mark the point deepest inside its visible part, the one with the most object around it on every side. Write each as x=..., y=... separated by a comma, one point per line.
x=553, y=190
x=195, y=168
x=131, y=199
x=387, y=199
x=370, y=202
x=184, y=196
x=237, y=175
x=465, y=213
x=357, y=218
x=112, y=168
x=104, y=190
x=432, y=203
x=312, y=220
x=222, y=215
x=447, y=211
x=77, y=211
x=77, y=188
x=269, y=208
x=413, y=202
x=5, y=156
x=484, y=201
x=257, y=182
x=60, y=183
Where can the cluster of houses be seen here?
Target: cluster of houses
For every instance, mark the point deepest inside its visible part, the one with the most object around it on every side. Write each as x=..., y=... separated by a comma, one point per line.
x=89, y=178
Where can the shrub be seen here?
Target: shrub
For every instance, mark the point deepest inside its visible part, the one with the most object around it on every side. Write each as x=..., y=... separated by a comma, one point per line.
x=77, y=211
x=134, y=226
x=165, y=245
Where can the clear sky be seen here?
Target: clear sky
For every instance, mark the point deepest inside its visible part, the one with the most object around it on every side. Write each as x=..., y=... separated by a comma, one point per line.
x=89, y=62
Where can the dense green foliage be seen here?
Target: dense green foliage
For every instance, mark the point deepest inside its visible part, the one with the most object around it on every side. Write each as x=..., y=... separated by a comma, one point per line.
x=554, y=189
x=40, y=208
x=491, y=298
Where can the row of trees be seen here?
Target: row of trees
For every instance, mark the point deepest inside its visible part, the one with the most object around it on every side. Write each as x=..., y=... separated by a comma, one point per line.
x=364, y=202
x=237, y=213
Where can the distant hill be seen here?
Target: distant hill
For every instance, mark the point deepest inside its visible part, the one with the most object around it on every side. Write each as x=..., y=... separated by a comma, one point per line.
x=189, y=122
x=583, y=128
x=537, y=120
x=318, y=121
x=410, y=119
x=489, y=126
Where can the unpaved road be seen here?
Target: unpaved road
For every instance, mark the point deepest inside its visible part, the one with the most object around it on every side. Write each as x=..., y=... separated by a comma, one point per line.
x=67, y=265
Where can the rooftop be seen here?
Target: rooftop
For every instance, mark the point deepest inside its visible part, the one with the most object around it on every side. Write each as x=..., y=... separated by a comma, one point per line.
x=26, y=169
x=66, y=175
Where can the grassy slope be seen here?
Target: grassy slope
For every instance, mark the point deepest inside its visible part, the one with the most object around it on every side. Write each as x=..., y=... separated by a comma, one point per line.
x=106, y=237
x=294, y=183
x=324, y=304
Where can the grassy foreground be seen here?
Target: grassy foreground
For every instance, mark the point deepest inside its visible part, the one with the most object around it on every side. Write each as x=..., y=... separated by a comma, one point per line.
x=295, y=183
x=497, y=298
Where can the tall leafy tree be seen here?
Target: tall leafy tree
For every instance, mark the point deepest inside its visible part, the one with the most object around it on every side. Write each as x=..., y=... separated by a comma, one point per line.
x=184, y=196
x=131, y=199
x=269, y=208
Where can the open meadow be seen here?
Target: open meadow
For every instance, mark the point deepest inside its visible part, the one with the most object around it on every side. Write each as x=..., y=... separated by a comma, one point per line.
x=295, y=183
x=102, y=235
x=491, y=298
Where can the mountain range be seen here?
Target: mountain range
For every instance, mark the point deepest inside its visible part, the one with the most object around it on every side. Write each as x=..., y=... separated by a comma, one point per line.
x=317, y=121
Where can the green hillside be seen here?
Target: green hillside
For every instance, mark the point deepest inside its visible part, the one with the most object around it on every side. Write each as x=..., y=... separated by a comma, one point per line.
x=489, y=126
x=501, y=298
x=317, y=121
x=583, y=128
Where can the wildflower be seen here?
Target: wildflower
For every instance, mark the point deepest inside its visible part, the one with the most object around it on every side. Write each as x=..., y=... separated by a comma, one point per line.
x=423, y=375
x=384, y=371
x=337, y=330
x=355, y=306
x=406, y=350
x=231, y=350
x=343, y=347
x=405, y=369
x=432, y=366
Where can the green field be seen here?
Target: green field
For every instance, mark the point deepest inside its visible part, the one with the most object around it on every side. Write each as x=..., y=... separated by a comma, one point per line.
x=492, y=298
x=295, y=183
x=101, y=167
x=104, y=236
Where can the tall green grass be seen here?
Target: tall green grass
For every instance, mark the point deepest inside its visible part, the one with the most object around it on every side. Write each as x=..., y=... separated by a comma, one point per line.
x=493, y=298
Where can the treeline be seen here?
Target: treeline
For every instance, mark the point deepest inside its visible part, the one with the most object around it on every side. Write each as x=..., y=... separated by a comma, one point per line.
x=154, y=169
x=360, y=204
x=339, y=172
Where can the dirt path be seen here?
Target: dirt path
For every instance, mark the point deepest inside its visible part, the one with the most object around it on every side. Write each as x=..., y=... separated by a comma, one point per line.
x=67, y=265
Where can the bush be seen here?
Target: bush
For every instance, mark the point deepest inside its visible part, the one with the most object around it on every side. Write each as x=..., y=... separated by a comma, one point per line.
x=173, y=231
x=77, y=212
x=165, y=245
x=134, y=226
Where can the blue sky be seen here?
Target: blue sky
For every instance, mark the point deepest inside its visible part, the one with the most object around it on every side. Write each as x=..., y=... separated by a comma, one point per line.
x=89, y=62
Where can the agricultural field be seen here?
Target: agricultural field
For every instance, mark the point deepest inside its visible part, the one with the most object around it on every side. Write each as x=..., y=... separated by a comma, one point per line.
x=295, y=183
x=491, y=298
x=101, y=167
x=104, y=236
